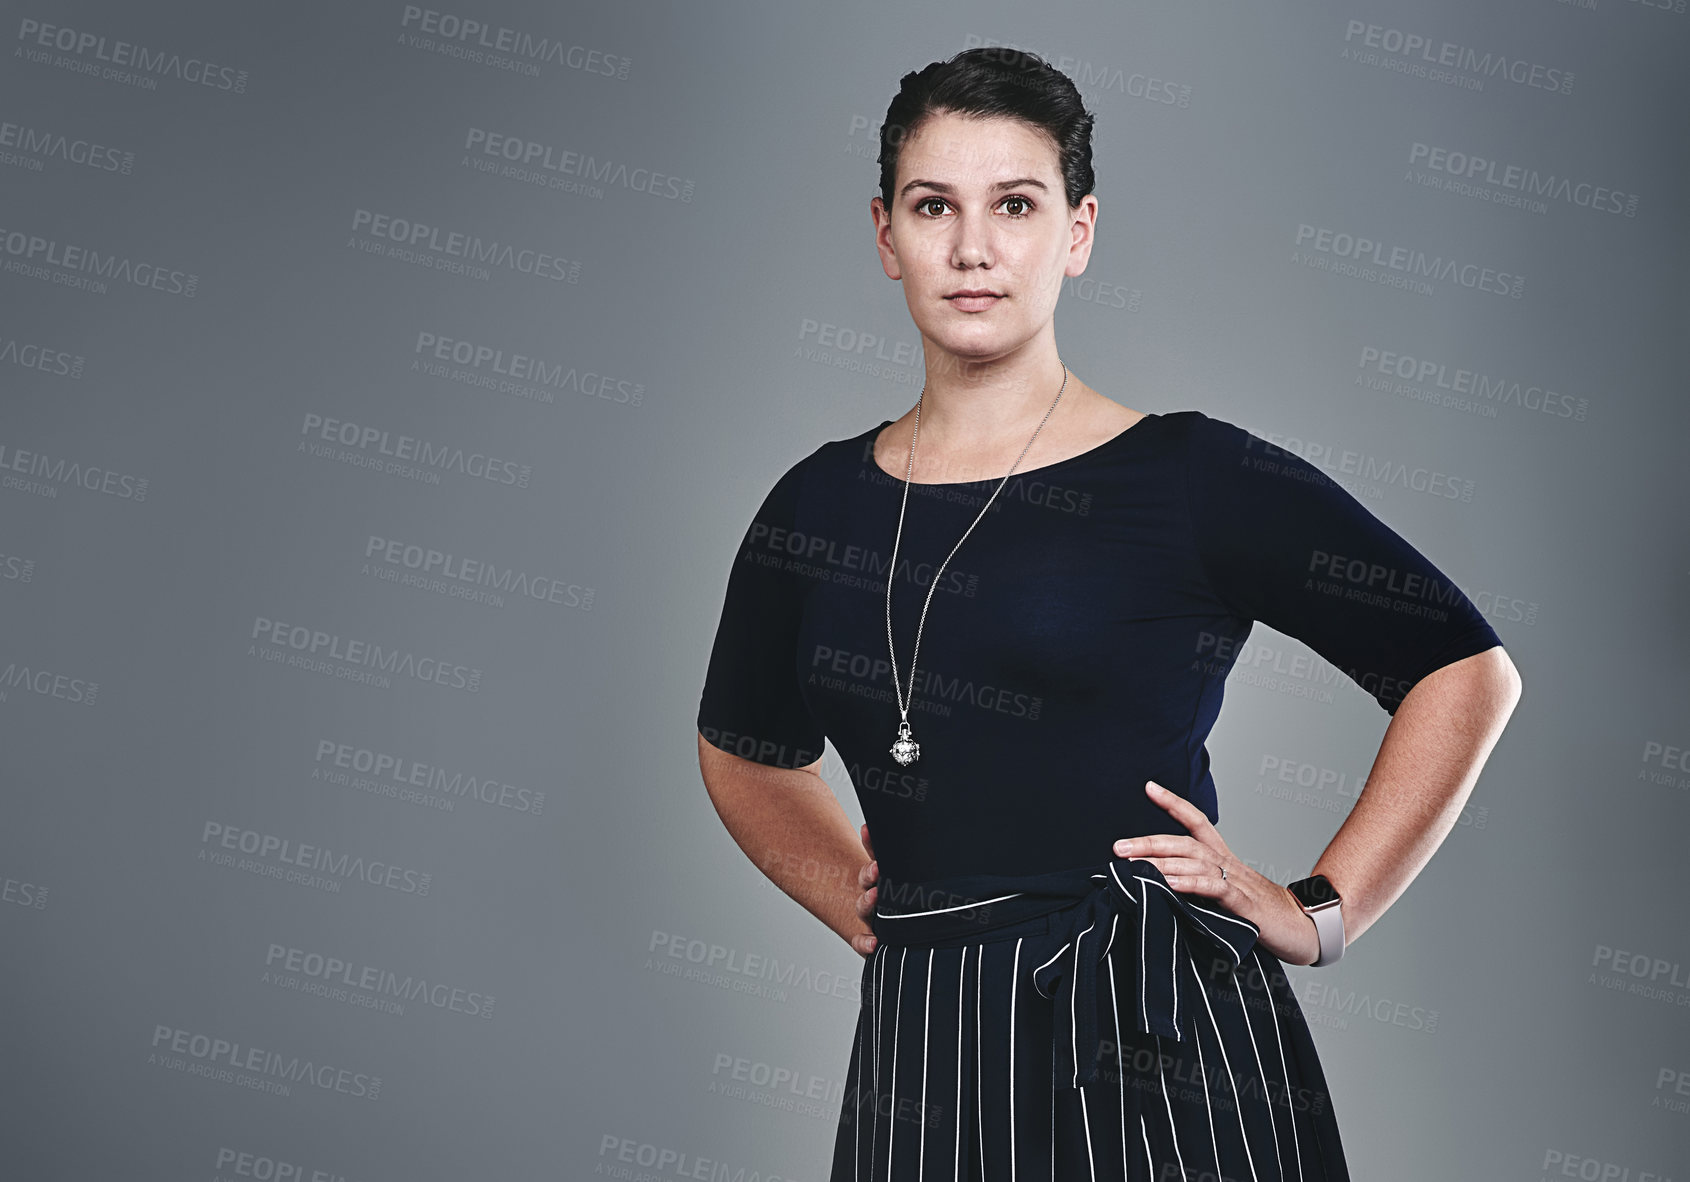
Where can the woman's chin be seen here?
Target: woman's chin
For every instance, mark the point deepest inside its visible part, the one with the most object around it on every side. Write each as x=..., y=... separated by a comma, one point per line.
x=982, y=343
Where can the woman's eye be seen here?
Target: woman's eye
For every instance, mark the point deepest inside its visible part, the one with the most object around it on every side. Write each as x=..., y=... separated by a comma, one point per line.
x=1022, y=202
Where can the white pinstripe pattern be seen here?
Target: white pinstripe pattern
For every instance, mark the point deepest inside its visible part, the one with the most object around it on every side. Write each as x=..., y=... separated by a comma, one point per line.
x=1203, y=1072
x=874, y=1027
x=956, y=1112
x=1152, y=882
x=1261, y=1074
x=879, y=998
x=897, y=1020
x=1143, y=901
x=1073, y=994
x=1173, y=1129
x=1226, y=1062
x=1143, y=968
x=1173, y=962
x=1085, y=1116
x=1120, y=1064
x=856, y=1124
x=1285, y=1072
x=1014, y=977
x=979, y=1082
x=921, y=1112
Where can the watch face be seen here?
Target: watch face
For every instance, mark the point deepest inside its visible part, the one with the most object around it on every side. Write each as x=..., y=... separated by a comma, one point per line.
x=1312, y=892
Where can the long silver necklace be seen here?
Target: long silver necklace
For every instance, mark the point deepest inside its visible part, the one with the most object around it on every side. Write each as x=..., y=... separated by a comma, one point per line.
x=904, y=748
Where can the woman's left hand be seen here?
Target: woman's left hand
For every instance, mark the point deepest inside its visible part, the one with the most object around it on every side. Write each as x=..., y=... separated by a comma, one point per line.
x=1192, y=865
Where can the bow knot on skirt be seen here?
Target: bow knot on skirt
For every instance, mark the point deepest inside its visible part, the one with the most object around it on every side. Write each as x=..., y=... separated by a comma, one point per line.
x=1090, y=1024
x=1128, y=905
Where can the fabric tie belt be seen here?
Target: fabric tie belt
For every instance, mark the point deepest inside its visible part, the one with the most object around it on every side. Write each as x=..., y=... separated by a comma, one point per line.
x=1160, y=926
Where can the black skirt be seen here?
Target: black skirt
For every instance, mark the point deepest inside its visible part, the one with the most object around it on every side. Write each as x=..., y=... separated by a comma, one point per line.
x=1079, y=1025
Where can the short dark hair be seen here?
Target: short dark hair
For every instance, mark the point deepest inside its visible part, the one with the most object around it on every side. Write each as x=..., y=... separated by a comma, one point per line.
x=993, y=80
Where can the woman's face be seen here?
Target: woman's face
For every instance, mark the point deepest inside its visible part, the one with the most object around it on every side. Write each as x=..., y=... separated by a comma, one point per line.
x=979, y=206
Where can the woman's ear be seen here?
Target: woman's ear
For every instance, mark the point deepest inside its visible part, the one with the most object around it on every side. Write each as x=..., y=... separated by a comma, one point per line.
x=1084, y=231
x=883, y=238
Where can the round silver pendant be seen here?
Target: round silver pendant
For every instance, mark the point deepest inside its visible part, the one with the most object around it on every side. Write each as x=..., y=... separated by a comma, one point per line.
x=905, y=749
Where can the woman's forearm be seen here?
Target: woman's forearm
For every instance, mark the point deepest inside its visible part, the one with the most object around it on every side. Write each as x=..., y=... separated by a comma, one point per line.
x=1429, y=760
x=791, y=826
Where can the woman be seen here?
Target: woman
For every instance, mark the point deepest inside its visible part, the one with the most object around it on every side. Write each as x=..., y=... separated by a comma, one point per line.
x=1012, y=611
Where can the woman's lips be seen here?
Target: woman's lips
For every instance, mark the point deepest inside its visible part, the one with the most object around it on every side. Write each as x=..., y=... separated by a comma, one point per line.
x=973, y=303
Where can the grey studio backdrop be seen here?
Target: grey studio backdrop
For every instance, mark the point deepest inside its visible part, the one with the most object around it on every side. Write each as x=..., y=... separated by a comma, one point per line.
x=386, y=391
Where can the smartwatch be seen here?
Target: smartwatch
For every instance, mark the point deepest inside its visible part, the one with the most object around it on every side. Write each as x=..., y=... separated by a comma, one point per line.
x=1320, y=902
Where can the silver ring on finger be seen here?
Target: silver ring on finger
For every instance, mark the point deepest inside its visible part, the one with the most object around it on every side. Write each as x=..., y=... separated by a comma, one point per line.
x=1223, y=872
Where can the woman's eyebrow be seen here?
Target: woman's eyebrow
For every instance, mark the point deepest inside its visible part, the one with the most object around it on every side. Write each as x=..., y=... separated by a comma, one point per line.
x=942, y=187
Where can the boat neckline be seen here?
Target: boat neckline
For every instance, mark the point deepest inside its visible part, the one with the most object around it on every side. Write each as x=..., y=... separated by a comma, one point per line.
x=1089, y=453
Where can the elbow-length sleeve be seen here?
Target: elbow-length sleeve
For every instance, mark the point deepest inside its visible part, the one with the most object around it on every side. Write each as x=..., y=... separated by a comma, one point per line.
x=1283, y=543
x=752, y=705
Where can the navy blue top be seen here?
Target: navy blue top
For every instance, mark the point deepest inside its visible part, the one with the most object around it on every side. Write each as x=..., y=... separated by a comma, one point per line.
x=1077, y=644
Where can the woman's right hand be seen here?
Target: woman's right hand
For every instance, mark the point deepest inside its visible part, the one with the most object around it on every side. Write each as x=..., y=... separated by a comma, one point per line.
x=867, y=878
